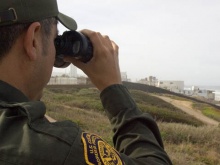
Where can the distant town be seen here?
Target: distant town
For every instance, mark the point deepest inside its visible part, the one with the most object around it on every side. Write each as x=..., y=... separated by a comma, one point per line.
x=171, y=85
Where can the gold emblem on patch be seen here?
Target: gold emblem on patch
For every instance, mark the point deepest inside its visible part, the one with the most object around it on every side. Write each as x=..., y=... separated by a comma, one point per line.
x=98, y=152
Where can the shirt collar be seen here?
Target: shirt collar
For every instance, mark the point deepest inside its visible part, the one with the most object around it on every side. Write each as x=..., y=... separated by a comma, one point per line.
x=9, y=93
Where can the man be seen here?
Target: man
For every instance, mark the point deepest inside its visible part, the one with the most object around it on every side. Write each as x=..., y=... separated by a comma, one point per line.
x=27, y=53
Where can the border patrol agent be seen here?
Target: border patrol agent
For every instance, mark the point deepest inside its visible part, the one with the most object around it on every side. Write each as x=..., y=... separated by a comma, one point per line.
x=27, y=137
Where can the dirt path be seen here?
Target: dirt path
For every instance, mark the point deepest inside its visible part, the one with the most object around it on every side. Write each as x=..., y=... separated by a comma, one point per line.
x=186, y=106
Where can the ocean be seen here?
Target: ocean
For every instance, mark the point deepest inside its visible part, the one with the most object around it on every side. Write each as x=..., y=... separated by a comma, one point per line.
x=213, y=88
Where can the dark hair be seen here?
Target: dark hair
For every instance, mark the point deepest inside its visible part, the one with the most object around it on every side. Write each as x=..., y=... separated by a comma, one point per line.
x=9, y=34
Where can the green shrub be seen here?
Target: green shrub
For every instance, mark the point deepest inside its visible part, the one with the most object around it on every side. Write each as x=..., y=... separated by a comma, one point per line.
x=208, y=110
x=184, y=143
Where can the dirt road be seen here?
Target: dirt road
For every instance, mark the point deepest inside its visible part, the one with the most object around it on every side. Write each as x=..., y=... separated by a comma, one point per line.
x=186, y=106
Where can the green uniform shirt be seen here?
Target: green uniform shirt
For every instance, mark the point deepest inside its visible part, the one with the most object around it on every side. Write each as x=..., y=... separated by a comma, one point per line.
x=27, y=137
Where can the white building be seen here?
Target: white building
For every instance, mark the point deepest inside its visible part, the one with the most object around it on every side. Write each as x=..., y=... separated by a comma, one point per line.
x=196, y=91
x=174, y=86
x=62, y=81
x=217, y=96
x=151, y=80
x=73, y=71
x=208, y=94
x=60, y=78
x=58, y=74
x=124, y=76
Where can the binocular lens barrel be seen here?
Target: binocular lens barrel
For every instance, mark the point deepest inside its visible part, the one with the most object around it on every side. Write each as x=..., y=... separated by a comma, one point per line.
x=74, y=44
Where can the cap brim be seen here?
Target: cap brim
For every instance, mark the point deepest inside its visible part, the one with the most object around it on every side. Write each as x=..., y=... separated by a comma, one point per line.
x=67, y=21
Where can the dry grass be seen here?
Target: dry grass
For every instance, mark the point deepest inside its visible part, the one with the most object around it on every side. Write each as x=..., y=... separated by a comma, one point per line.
x=89, y=120
x=185, y=144
x=191, y=145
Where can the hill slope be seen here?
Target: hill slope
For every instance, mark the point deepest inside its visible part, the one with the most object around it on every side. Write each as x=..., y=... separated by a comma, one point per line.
x=187, y=140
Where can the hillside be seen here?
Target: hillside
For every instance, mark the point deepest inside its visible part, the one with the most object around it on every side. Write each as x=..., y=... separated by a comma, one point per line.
x=187, y=139
x=187, y=107
x=153, y=89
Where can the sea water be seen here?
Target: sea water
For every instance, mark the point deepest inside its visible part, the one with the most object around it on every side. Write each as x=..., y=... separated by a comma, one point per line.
x=215, y=89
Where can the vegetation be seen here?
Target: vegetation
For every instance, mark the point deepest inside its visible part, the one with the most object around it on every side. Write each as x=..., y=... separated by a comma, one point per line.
x=161, y=110
x=186, y=139
x=208, y=111
x=191, y=145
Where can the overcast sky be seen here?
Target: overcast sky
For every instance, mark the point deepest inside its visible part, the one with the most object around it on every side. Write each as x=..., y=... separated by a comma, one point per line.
x=168, y=39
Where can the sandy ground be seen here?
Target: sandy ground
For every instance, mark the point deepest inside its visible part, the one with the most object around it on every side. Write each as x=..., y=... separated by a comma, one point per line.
x=50, y=119
x=186, y=106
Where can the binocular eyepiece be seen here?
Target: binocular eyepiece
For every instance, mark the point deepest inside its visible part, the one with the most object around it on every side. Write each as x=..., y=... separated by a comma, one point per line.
x=74, y=44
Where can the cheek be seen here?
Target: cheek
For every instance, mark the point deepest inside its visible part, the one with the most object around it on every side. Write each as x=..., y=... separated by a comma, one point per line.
x=53, y=48
x=52, y=53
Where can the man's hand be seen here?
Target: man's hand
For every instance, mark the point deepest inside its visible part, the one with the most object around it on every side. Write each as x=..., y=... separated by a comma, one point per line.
x=103, y=69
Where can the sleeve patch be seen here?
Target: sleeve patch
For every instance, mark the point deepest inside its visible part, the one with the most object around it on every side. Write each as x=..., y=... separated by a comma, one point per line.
x=98, y=152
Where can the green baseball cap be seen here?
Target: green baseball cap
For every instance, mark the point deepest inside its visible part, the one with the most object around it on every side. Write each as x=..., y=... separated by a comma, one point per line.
x=24, y=11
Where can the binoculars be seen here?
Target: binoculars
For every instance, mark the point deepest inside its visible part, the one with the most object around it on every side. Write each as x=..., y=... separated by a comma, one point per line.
x=74, y=44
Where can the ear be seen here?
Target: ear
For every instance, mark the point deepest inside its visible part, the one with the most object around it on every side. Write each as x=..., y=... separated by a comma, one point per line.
x=32, y=40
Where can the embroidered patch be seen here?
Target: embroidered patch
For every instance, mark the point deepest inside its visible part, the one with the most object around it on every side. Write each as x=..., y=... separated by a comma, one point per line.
x=98, y=152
